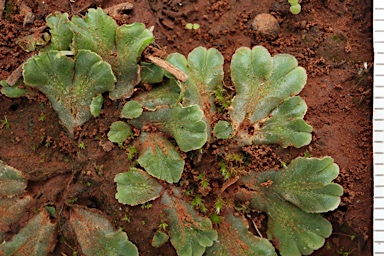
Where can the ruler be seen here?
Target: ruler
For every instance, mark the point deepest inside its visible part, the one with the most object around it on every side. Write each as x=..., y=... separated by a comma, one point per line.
x=378, y=128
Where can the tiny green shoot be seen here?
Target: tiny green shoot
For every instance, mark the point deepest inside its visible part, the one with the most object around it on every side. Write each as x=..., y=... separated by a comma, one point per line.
x=215, y=218
x=51, y=210
x=198, y=202
x=189, y=192
x=81, y=145
x=242, y=207
x=147, y=205
x=192, y=26
x=203, y=180
x=222, y=100
x=163, y=225
x=42, y=158
x=307, y=154
x=295, y=6
x=126, y=218
x=5, y=123
x=132, y=152
x=99, y=170
x=42, y=117
x=232, y=165
x=121, y=145
x=219, y=203
x=48, y=143
x=72, y=200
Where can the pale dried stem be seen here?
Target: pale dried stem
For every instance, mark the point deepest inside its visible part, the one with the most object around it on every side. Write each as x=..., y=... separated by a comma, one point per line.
x=15, y=76
x=229, y=183
x=114, y=10
x=26, y=11
x=180, y=75
x=2, y=7
x=255, y=226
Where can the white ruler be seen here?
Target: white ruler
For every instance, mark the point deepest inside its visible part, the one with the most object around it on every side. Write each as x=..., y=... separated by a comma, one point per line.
x=378, y=128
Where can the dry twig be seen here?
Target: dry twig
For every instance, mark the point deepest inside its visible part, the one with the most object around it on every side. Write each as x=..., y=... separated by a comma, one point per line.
x=26, y=11
x=228, y=183
x=2, y=7
x=168, y=67
x=114, y=10
x=15, y=76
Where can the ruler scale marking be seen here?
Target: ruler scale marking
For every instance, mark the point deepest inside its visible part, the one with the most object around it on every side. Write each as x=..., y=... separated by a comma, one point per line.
x=378, y=128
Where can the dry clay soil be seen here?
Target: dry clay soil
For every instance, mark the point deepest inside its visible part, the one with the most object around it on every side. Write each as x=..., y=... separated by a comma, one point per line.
x=332, y=40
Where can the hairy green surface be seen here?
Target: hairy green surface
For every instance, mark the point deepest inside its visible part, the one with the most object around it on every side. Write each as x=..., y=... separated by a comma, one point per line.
x=119, y=132
x=119, y=46
x=190, y=233
x=205, y=72
x=136, y=187
x=96, y=105
x=150, y=73
x=69, y=83
x=12, y=209
x=264, y=89
x=164, y=96
x=61, y=35
x=235, y=239
x=292, y=197
x=262, y=82
x=160, y=158
x=97, y=236
x=132, y=109
x=223, y=130
x=12, y=181
x=36, y=238
x=185, y=124
x=159, y=239
x=285, y=126
x=12, y=91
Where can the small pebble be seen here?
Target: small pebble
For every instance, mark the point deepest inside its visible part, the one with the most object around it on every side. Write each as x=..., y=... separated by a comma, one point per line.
x=266, y=25
x=303, y=24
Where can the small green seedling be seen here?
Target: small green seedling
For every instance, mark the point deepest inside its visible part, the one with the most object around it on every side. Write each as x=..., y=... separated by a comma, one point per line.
x=198, y=202
x=42, y=157
x=223, y=100
x=189, y=192
x=203, y=180
x=219, y=203
x=42, y=117
x=232, y=165
x=48, y=143
x=126, y=218
x=295, y=6
x=81, y=145
x=215, y=218
x=132, y=152
x=5, y=123
x=146, y=206
x=51, y=210
x=192, y=26
x=72, y=200
x=99, y=170
x=162, y=226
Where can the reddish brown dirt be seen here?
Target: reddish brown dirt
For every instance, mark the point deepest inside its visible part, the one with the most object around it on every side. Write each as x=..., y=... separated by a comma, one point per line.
x=330, y=38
